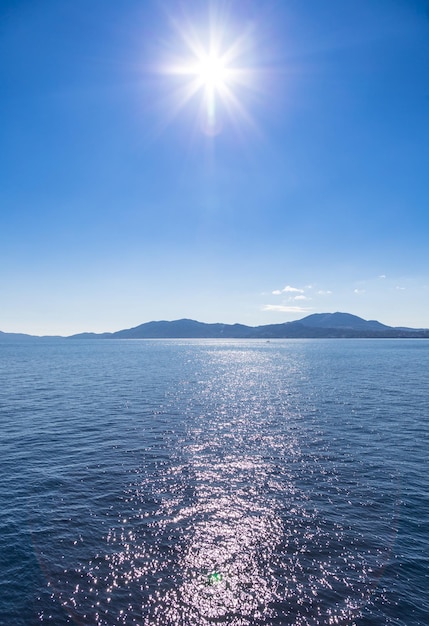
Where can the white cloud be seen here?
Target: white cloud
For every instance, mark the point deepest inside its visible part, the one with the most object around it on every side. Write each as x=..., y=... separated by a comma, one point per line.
x=300, y=298
x=289, y=289
x=359, y=291
x=400, y=288
x=382, y=276
x=280, y=308
x=323, y=292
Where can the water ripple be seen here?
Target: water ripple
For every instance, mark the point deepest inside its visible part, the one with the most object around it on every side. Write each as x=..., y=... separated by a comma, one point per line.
x=197, y=483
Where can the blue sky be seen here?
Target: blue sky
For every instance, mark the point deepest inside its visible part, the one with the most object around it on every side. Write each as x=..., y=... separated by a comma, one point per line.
x=122, y=202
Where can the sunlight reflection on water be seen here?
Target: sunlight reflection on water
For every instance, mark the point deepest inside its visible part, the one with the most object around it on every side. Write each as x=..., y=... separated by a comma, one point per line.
x=234, y=535
x=226, y=529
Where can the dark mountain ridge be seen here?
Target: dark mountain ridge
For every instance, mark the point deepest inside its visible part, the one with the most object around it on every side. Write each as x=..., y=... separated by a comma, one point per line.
x=317, y=325
x=341, y=320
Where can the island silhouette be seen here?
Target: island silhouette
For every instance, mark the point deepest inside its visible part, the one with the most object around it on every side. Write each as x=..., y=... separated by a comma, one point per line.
x=315, y=326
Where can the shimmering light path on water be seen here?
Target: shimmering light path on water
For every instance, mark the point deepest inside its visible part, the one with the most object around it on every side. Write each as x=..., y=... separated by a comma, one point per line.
x=205, y=482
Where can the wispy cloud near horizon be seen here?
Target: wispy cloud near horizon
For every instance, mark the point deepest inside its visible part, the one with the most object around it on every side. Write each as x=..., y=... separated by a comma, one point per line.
x=287, y=289
x=284, y=308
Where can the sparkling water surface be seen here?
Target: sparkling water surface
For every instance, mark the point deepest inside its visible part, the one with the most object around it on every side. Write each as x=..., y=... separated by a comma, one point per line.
x=199, y=482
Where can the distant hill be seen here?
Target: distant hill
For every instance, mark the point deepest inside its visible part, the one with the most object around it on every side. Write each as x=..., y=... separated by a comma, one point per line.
x=341, y=320
x=8, y=336
x=183, y=329
x=318, y=325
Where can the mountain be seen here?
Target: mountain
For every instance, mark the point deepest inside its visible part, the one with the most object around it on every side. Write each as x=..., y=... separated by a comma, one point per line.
x=318, y=325
x=341, y=320
x=7, y=336
x=183, y=329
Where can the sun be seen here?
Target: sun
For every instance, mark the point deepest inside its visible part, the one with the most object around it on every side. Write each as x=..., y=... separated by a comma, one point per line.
x=213, y=78
x=211, y=70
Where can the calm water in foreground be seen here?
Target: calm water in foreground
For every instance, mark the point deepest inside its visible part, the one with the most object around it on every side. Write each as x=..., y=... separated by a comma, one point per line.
x=209, y=482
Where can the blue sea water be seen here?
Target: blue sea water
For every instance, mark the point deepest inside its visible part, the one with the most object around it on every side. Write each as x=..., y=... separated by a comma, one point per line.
x=205, y=482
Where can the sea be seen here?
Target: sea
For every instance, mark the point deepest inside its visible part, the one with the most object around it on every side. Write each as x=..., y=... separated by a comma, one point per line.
x=212, y=482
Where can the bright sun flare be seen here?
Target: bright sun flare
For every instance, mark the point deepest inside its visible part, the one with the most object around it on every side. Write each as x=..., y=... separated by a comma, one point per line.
x=211, y=76
x=211, y=71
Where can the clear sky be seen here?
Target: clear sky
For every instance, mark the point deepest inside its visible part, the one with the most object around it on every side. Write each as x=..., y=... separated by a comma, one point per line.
x=250, y=161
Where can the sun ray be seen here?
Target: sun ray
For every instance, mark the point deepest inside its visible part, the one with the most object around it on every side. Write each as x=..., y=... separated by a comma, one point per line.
x=213, y=69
